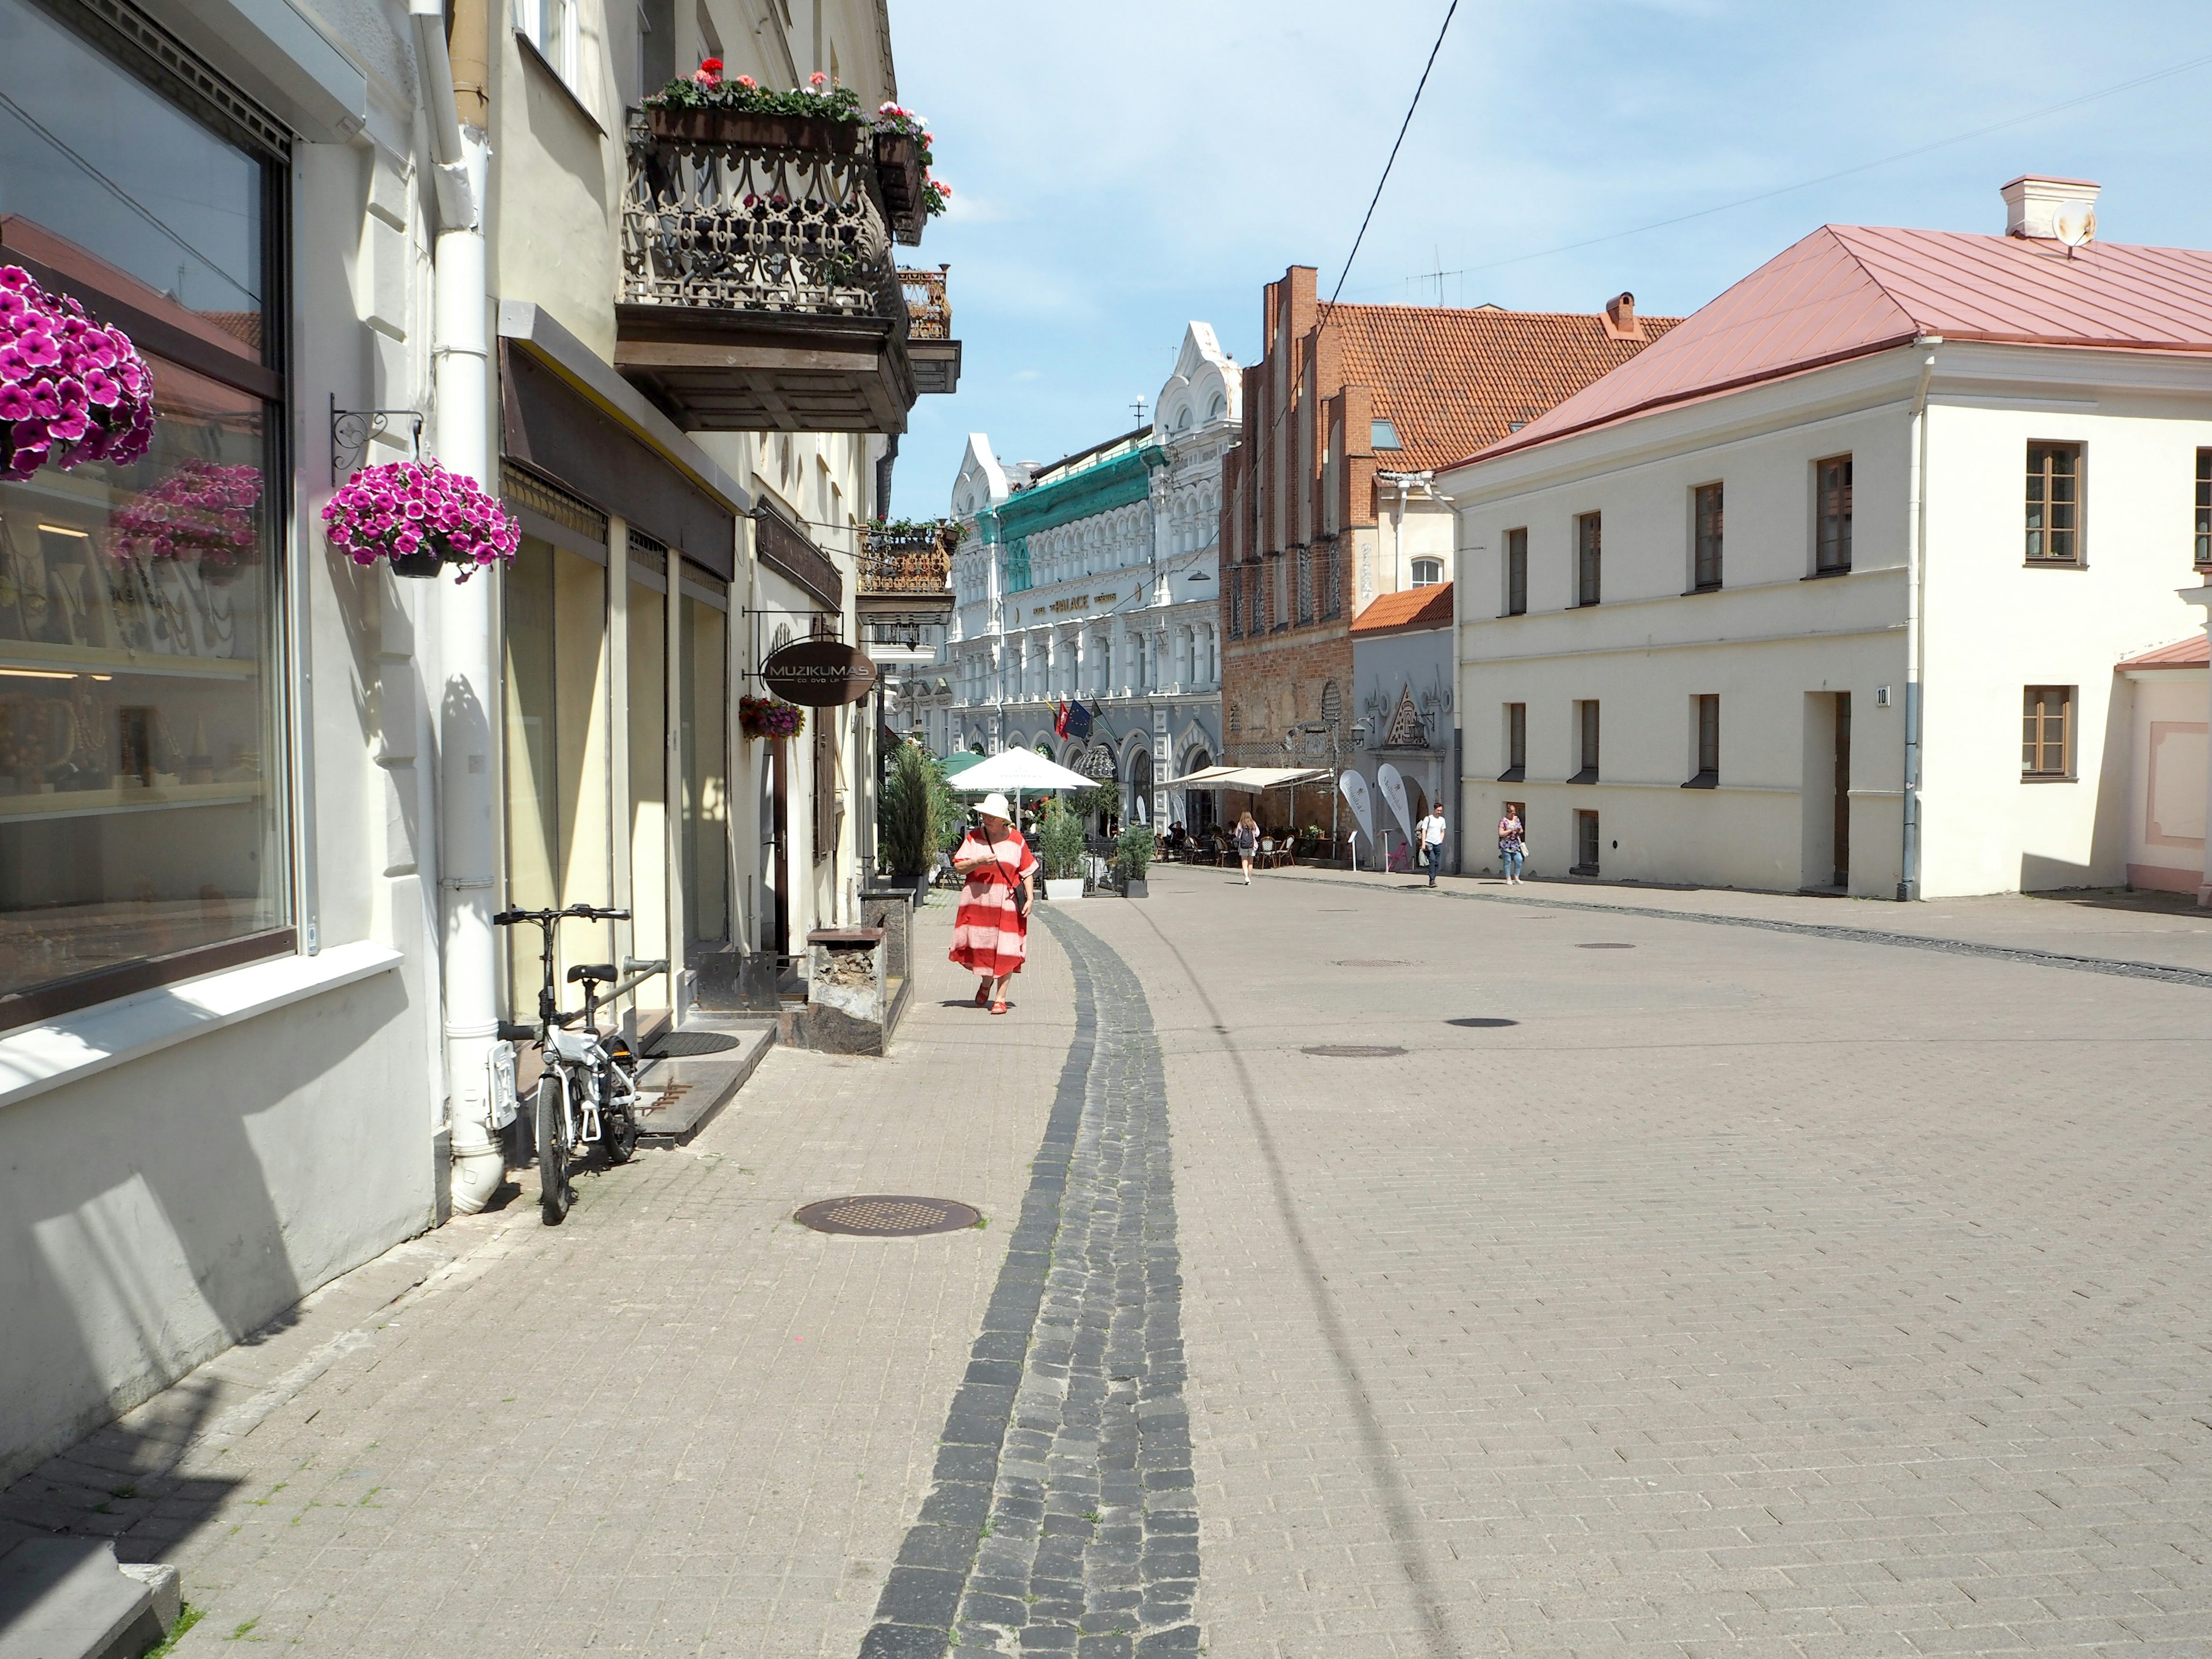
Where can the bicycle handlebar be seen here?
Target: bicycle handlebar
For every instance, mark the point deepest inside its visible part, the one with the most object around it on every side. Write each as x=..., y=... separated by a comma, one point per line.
x=581, y=912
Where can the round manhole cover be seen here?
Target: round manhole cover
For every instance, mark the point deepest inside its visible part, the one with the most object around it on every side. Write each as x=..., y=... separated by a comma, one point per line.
x=880, y=1215
x=1352, y=1050
x=1371, y=962
x=1605, y=945
x=1482, y=1025
x=680, y=1045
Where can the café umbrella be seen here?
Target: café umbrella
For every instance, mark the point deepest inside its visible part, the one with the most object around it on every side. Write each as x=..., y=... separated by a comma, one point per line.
x=1019, y=770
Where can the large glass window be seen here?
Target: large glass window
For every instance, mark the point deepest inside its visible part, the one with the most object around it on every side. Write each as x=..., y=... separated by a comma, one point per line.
x=704, y=653
x=142, y=824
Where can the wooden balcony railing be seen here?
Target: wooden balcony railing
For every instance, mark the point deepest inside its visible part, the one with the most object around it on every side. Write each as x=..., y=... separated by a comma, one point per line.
x=906, y=561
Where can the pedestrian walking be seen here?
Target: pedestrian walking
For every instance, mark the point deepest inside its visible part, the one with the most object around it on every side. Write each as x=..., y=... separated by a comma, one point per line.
x=1512, y=844
x=1432, y=831
x=991, y=928
x=1247, y=844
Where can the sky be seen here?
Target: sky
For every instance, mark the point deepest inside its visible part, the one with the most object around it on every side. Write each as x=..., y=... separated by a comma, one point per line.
x=1118, y=171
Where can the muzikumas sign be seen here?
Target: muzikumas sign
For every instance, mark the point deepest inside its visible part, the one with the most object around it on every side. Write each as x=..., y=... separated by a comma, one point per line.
x=819, y=673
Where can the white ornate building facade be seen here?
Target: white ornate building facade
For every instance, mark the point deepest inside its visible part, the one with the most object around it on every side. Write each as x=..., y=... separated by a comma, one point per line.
x=1093, y=580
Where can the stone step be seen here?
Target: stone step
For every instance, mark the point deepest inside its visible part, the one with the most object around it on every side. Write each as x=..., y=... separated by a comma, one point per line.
x=67, y=1598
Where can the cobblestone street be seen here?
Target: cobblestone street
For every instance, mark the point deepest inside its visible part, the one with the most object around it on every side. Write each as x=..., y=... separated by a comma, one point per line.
x=1625, y=1285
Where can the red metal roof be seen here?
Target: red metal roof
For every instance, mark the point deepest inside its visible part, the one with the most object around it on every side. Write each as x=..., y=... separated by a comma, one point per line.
x=2195, y=651
x=1846, y=290
x=1451, y=381
x=1406, y=610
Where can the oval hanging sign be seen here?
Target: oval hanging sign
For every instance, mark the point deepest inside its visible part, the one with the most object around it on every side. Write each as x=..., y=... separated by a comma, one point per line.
x=819, y=673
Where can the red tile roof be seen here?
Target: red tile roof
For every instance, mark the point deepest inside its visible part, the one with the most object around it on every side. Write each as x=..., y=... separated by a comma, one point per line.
x=2195, y=651
x=1453, y=381
x=1403, y=612
x=1847, y=290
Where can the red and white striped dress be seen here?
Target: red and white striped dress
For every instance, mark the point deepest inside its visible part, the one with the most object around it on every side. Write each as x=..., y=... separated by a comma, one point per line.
x=990, y=936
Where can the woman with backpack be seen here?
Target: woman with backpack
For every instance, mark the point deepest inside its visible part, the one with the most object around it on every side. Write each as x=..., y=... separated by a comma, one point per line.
x=1247, y=844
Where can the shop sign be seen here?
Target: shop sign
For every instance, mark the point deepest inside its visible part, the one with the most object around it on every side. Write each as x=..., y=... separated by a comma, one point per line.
x=819, y=673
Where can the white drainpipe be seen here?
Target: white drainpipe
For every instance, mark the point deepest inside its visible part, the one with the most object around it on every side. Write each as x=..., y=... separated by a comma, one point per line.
x=461, y=368
x=1916, y=558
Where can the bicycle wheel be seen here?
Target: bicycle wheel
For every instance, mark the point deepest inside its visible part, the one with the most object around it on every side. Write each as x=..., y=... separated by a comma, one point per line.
x=554, y=1195
x=619, y=1124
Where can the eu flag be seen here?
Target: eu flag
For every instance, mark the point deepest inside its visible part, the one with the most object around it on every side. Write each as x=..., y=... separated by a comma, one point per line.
x=1079, y=721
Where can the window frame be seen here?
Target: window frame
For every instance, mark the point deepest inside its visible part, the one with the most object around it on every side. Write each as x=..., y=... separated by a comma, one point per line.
x=1706, y=535
x=269, y=379
x=1586, y=819
x=1825, y=547
x=561, y=55
x=1704, y=741
x=1588, y=732
x=1589, y=559
x=1517, y=572
x=2034, y=723
x=2201, y=526
x=1431, y=560
x=1516, y=715
x=2077, y=559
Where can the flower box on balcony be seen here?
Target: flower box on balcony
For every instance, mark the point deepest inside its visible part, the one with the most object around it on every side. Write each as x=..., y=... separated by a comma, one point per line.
x=815, y=134
x=899, y=170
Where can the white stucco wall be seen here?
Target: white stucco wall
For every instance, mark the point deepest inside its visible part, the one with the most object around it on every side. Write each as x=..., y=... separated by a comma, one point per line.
x=2166, y=777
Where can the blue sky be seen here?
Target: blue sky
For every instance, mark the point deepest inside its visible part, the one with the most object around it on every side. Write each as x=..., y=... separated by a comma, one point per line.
x=1119, y=172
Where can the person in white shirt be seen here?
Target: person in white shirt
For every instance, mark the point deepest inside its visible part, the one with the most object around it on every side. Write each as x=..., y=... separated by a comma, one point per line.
x=1432, y=831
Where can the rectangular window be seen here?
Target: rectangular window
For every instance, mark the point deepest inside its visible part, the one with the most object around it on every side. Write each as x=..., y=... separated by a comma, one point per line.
x=1517, y=572
x=1586, y=844
x=2204, y=556
x=2046, y=731
x=545, y=25
x=1332, y=592
x=143, y=825
x=1305, y=585
x=1587, y=554
x=2054, y=503
x=1236, y=585
x=1706, y=572
x=1516, y=744
x=1705, y=711
x=1586, y=742
x=1831, y=515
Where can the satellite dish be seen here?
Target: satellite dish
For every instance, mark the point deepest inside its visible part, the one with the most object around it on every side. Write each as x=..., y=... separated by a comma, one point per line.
x=2074, y=223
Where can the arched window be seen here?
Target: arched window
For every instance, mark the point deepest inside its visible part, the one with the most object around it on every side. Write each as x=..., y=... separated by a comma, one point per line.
x=1428, y=573
x=1219, y=409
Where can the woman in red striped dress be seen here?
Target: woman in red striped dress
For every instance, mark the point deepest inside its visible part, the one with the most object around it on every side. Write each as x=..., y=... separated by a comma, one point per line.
x=990, y=931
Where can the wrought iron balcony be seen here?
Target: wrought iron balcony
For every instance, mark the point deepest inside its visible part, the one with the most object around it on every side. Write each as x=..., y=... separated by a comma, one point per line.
x=758, y=291
x=929, y=342
x=906, y=574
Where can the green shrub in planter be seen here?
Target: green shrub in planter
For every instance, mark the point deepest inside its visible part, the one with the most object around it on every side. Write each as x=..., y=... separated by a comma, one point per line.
x=1060, y=842
x=906, y=818
x=1132, y=851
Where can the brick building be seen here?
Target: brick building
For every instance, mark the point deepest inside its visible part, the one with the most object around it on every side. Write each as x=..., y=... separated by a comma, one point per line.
x=1327, y=499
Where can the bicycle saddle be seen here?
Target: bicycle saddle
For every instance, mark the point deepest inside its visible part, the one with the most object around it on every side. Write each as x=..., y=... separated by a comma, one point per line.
x=583, y=970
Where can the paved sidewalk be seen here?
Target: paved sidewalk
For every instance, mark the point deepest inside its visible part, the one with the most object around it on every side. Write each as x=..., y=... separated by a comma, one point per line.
x=680, y=1424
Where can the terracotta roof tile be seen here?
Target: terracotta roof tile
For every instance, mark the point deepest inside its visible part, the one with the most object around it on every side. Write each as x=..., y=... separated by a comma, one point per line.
x=2195, y=651
x=1452, y=382
x=1409, y=608
x=1846, y=290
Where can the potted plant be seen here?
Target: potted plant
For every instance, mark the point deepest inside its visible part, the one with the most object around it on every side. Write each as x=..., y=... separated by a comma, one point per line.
x=1059, y=849
x=906, y=820
x=420, y=518
x=704, y=107
x=72, y=390
x=1132, y=857
x=769, y=717
x=203, y=512
x=912, y=194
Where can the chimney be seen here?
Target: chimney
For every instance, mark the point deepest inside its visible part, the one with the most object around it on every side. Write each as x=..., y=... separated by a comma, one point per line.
x=1620, y=322
x=2031, y=203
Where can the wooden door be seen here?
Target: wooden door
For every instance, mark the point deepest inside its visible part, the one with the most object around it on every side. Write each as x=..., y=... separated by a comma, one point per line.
x=780, y=794
x=1843, y=871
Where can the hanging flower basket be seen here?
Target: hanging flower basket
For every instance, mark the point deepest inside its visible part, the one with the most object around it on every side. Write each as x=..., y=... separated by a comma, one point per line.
x=421, y=519
x=71, y=389
x=767, y=717
x=203, y=513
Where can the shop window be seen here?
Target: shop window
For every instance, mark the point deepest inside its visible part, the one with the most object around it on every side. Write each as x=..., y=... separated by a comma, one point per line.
x=143, y=819
x=702, y=657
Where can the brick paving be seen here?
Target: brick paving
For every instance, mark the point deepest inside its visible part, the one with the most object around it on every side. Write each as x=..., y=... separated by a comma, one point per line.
x=1743, y=1292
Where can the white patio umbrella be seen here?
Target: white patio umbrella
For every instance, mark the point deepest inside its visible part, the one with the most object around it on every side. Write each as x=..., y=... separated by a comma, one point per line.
x=1019, y=770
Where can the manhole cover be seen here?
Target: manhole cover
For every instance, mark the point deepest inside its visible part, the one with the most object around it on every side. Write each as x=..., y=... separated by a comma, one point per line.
x=1352, y=1050
x=1371, y=962
x=1604, y=946
x=1482, y=1025
x=879, y=1215
x=678, y=1045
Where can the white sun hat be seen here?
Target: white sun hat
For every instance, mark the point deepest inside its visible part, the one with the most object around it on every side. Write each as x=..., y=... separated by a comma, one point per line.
x=994, y=805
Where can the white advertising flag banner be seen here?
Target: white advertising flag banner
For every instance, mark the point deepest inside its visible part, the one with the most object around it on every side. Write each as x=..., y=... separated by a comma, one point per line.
x=1393, y=791
x=1354, y=788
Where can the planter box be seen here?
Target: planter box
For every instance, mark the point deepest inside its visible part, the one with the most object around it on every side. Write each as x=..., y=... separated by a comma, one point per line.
x=1057, y=890
x=898, y=170
x=810, y=133
x=1135, y=887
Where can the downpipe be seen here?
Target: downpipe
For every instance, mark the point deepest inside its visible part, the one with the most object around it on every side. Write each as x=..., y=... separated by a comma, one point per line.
x=460, y=368
x=1915, y=558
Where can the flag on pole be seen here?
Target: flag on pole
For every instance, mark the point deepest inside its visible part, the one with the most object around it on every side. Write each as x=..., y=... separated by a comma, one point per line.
x=1079, y=721
x=1060, y=719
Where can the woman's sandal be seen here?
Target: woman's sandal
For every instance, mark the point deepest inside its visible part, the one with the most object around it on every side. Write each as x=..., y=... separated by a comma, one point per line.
x=982, y=993
x=1001, y=1007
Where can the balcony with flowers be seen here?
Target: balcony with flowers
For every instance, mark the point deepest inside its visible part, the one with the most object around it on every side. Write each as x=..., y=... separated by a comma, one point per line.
x=929, y=342
x=905, y=585
x=759, y=292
